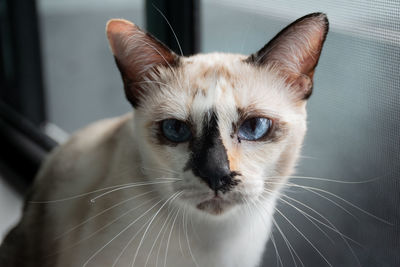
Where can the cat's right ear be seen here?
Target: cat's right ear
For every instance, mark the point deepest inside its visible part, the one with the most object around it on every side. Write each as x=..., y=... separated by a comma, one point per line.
x=137, y=55
x=295, y=52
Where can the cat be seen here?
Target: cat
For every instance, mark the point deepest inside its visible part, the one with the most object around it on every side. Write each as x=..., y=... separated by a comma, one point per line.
x=191, y=176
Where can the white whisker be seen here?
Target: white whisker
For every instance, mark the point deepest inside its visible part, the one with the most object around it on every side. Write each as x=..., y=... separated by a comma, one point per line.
x=179, y=236
x=334, y=180
x=306, y=215
x=290, y=247
x=176, y=38
x=100, y=213
x=121, y=232
x=169, y=237
x=174, y=196
x=333, y=228
x=311, y=189
x=330, y=226
x=103, y=227
x=165, y=232
x=78, y=196
x=89, y=193
x=129, y=242
x=128, y=186
x=278, y=257
x=175, y=179
x=308, y=241
x=320, y=195
x=156, y=238
x=187, y=238
x=325, y=179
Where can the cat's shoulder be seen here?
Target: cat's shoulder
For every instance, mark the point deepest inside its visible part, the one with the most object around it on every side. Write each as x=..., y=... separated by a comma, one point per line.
x=98, y=132
x=91, y=144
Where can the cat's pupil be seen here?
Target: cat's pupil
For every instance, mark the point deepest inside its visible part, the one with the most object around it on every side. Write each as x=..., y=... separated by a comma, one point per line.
x=254, y=129
x=254, y=123
x=175, y=130
x=178, y=126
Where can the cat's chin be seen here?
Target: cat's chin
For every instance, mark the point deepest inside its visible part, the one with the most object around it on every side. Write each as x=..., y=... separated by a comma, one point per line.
x=215, y=206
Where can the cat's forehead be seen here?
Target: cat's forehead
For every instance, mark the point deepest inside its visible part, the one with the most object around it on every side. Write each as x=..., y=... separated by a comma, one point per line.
x=214, y=66
x=212, y=60
x=224, y=83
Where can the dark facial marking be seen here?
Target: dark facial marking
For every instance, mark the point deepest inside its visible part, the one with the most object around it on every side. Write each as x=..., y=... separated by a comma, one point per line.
x=209, y=159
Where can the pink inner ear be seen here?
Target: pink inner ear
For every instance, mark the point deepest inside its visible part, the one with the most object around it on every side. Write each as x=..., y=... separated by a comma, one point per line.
x=135, y=50
x=137, y=55
x=295, y=51
x=117, y=31
x=310, y=54
x=118, y=25
x=297, y=48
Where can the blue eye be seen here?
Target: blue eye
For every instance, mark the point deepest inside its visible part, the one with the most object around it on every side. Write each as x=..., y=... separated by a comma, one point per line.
x=254, y=128
x=175, y=130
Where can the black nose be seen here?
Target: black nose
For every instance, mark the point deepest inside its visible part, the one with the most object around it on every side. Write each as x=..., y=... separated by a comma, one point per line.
x=209, y=160
x=211, y=164
x=223, y=183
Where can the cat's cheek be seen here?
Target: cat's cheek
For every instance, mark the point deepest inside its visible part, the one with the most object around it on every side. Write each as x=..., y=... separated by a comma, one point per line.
x=258, y=165
x=178, y=157
x=252, y=189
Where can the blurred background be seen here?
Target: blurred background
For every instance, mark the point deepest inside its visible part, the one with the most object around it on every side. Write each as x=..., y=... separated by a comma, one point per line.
x=58, y=75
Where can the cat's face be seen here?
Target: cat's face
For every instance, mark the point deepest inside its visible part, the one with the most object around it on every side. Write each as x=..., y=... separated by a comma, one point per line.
x=226, y=128
x=214, y=99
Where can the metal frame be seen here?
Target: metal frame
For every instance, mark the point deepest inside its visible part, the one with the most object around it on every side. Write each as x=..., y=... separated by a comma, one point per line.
x=21, y=67
x=22, y=105
x=183, y=17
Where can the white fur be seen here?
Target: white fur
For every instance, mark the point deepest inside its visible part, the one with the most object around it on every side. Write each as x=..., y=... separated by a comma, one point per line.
x=166, y=218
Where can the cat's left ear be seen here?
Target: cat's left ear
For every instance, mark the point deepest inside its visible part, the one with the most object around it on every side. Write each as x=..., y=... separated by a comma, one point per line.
x=138, y=55
x=295, y=51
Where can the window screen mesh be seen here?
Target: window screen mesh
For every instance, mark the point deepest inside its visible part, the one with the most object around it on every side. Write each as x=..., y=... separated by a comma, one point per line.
x=354, y=130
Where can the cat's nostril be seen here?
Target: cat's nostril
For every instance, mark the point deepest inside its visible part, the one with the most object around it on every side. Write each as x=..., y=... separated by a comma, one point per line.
x=222, y=183
x=215, y=184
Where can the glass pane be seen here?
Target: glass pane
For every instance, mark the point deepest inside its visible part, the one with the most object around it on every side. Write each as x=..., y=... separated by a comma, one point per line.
x=353, y=133
x=82, y=81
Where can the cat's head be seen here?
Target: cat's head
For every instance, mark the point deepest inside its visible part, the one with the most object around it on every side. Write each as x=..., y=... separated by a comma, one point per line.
x=228, y=126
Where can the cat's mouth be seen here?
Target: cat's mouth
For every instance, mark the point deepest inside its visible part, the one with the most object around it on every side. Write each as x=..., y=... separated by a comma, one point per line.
x=215, y=205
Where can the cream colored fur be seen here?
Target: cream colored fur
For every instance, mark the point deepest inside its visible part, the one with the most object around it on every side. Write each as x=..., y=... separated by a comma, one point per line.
x=84, y=211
